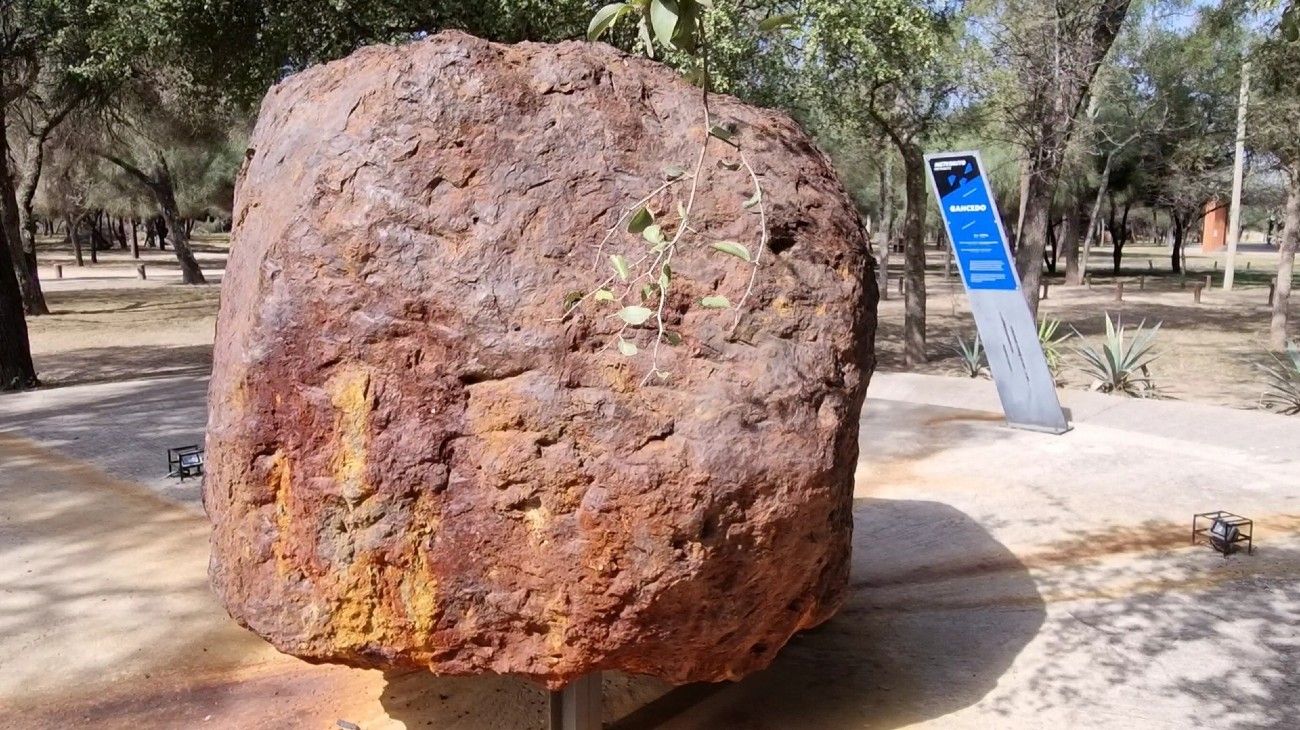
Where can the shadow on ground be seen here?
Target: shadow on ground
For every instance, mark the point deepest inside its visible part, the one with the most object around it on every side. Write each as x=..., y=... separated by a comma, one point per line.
x=114, y=364
x=895, y=653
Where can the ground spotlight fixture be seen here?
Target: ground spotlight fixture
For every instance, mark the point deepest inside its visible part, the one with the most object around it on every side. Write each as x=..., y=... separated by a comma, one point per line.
x=1223, y=530
x=185, y=461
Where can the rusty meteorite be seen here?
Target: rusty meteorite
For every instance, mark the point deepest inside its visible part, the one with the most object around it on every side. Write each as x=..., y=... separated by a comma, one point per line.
x=414, y=462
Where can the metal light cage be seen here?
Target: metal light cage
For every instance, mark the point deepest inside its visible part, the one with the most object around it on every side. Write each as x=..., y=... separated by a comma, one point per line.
x=1223, y=531
x=185, y=461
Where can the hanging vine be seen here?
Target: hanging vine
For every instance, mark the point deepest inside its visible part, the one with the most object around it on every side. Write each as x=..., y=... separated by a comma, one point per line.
x=636, y=292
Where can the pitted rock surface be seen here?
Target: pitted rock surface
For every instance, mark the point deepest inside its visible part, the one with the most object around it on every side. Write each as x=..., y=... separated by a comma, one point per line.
x=415, y=461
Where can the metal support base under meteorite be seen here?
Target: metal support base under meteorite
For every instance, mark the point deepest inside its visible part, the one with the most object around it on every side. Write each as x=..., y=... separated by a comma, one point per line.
x=577, y=706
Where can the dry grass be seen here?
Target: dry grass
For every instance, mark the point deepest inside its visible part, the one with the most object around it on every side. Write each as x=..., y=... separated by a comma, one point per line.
x=1209, y=351
x=113, y=326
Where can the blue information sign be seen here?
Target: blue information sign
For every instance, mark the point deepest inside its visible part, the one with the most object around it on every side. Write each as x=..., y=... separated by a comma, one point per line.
x=1015, y=357
x=973, y=224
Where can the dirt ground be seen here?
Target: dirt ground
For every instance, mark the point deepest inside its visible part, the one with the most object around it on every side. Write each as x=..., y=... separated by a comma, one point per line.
x=1209, y=352
x=108, y=325
x=984, y=591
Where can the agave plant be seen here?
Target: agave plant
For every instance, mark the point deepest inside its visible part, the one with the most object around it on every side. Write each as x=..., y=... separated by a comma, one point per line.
x=1052, y=343
x=1121, y=364
x=970, y=354
x=1282, y=389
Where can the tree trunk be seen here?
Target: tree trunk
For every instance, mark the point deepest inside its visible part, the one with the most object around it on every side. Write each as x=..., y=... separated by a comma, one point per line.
x=1022, y=203
x=24, y=273
x=886, y=224
x=16, y=368
x=1029, y=256
x=1176, y=254
x=1277, y=327
x=74, y=235
x=914, y=255
x=1119, y=235
x=1051, y=252
x=1070, y=238
x=166, y=195
x=33, y=297
x=135, y=238
x=1093, y=217
x=96, y=238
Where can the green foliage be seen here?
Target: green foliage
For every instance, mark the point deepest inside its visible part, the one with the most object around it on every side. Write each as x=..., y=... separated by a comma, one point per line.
x=1282, y=385
x=970, y=355
x=733, y=249
x=1121, y=365
x=673, y=27
x=1275, y=118
x=1052, y=343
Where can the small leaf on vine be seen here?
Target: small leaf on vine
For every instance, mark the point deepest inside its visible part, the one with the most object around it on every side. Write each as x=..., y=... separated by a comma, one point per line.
x=643, y=32
x=647, y=292
x=754, y=199
x=634, y=315
x=716, y=301
x=674, y=172
x=640, y=219
x=625, y=347
x=620, y=266
x=571, y=299
x=732, y=248
x=605, y=18
x=653, y=233
x=681, y=211
x=720, y=132
x=665, y=276
x=604, y=295
x=776, y=22
x=663, y=19
x=672, y=338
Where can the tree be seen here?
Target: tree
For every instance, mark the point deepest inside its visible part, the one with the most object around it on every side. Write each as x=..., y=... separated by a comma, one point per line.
x=145, y=129
x=895, y=65
x=1187, y=159
x=1277, y=131
x=1053, y=52
x=28, y=28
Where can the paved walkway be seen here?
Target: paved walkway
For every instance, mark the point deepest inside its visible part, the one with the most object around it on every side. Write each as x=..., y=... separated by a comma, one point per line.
x=1001, y=579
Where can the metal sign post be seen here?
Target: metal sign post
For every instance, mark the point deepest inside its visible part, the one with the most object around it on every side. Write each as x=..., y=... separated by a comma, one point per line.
x=577, y=706
x=1024, y=382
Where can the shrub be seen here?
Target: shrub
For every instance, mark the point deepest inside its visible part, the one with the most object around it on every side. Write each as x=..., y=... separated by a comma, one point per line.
x=1052, y=344
x=1282, y=388
x=970, y=354
x=1120, y=365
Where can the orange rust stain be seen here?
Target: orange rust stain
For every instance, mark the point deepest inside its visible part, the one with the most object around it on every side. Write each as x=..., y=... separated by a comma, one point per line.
x=965, y=416
x=280, y=480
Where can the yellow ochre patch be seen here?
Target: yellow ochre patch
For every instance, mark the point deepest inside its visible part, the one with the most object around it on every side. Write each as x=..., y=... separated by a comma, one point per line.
x=353, y=401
